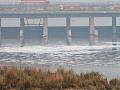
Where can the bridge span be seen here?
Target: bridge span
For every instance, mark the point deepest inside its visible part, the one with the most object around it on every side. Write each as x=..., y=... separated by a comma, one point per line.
x=93, y=33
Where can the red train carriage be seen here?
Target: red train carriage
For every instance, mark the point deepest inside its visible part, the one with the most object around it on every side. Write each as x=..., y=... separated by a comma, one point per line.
x=70, y=7
x=35, y=4
x=116, y=7
x=35, y=1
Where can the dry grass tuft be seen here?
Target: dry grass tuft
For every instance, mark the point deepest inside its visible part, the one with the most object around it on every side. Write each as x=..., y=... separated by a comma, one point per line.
x=12, y=78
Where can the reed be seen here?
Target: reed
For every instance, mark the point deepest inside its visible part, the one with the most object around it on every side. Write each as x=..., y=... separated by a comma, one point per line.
x=12, y=78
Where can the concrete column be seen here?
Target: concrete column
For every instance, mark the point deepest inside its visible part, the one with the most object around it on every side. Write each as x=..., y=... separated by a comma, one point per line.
x=69, y=34
x=0, y=34
x=96, y=37
x=92, y=31
x=114, y=31
x=45, y=31
x=21, y=32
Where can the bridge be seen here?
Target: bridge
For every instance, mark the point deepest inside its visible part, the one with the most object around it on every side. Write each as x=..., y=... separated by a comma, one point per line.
x=45, y=14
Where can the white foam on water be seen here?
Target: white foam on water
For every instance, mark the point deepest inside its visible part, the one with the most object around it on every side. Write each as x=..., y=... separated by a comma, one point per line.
x=50, y=49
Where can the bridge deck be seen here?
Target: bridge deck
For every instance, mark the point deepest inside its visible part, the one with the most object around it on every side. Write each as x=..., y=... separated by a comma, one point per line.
x=19, y=12
x=93, y=34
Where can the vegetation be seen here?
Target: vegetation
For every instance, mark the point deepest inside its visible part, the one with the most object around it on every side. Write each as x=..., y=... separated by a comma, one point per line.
x=37, y=79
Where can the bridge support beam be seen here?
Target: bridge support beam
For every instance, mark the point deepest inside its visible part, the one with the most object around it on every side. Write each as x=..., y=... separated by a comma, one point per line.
x=45, y=31
x=92, y=31
x=69, y=34
x=0, y=34
x=21, y=32
x=114, y=31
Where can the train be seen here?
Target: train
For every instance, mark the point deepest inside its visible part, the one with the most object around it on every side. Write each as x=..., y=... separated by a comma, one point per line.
x=47, y=5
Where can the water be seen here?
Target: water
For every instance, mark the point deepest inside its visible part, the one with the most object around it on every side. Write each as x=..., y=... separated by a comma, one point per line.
x=57, y=36
x=80, y=57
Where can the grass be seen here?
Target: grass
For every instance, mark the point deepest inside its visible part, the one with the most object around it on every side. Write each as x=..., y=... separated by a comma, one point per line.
x=12, y=78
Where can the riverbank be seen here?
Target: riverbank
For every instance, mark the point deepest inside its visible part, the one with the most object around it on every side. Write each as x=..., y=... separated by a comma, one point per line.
x=40, y=79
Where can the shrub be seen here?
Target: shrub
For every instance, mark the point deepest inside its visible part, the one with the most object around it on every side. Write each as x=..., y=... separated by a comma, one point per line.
x=31, y=79
x=2, y=83
x=11, y=77
x=115, y=84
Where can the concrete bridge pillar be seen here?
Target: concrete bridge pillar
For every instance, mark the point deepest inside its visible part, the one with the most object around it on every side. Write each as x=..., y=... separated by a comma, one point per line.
x=92, y=31
x=45, y=31
x=69, y=34
x=114, y=31
x=96, y=37
x=21, y=32
x=0, y=34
